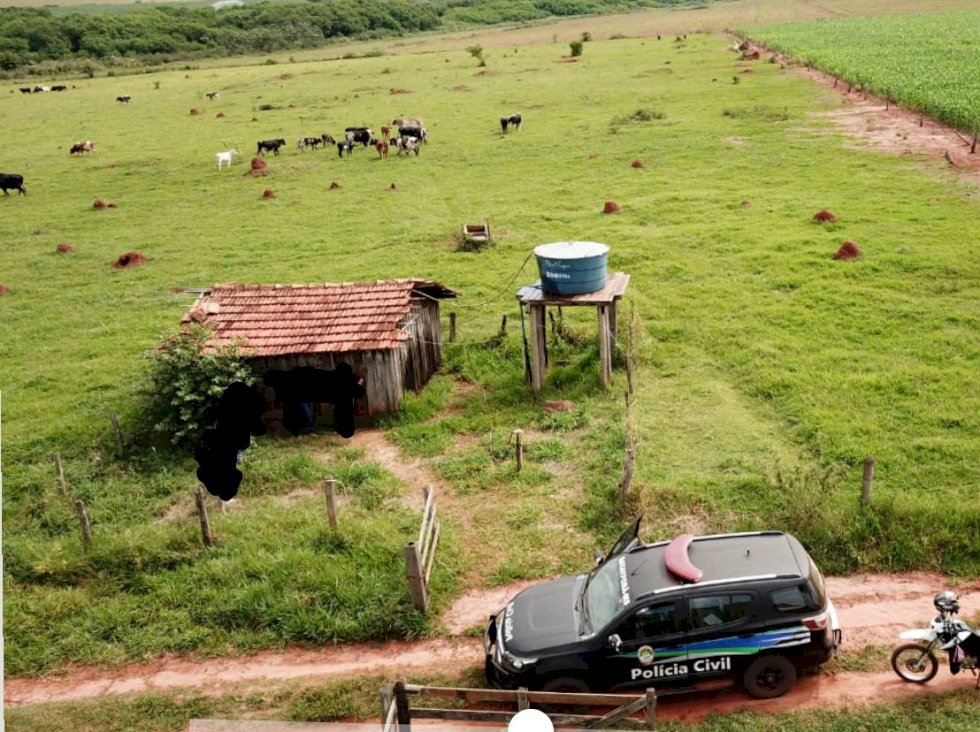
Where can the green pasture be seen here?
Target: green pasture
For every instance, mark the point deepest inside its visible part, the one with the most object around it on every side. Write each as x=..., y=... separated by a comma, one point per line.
x=927, y=62
x=767, y=371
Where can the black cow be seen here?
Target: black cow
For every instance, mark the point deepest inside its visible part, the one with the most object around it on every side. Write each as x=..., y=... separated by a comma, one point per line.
x=124, y=98
x=514, y=119
x=362, y=135
x=419, y=133
x=272, y=145
x=25, y=90
x=12, y=181
x=344, y=146
x=60, y=87
x=211, y=95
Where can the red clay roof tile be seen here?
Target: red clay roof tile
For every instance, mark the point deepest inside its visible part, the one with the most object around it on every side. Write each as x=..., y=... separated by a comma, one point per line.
x=278, y=320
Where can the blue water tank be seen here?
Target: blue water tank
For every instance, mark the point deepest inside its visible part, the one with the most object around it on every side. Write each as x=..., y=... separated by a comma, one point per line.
x=572, y=267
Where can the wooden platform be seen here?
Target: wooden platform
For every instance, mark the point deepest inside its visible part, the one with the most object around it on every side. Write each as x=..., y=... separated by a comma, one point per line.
x=616, y=284
x=604, y=301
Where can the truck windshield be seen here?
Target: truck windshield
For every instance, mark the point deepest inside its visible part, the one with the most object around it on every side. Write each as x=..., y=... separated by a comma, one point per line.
x=608, y=592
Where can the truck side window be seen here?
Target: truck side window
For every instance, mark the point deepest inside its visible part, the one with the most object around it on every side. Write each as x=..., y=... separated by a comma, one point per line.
x=707, y=612
x=793, y=600
x=650, y=622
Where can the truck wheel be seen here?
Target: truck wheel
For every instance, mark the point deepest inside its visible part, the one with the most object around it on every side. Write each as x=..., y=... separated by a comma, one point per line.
x=769, y=676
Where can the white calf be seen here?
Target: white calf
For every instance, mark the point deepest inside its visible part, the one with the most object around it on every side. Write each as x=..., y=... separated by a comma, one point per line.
x=226, y=157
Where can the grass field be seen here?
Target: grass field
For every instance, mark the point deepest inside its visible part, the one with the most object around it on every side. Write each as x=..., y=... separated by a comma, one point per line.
x=768, y=371
x=939, y=78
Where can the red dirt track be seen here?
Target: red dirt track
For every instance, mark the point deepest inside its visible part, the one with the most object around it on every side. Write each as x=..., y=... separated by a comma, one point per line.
x=873, y=609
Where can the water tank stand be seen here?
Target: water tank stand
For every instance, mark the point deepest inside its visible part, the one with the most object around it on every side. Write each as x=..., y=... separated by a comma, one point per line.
x=604, y=301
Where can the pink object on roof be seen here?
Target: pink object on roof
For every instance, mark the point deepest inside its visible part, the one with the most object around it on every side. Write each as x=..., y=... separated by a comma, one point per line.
x=279, y=320
x=677, y=561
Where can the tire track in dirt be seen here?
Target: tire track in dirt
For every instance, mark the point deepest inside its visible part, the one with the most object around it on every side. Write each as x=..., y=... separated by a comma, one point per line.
x=873, y=608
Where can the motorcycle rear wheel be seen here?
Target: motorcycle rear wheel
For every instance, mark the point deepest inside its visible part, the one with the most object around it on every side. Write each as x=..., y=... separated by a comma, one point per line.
x=914, y=663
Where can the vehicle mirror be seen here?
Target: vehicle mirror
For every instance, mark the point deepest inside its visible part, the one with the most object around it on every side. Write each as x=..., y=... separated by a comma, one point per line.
x=615, y=641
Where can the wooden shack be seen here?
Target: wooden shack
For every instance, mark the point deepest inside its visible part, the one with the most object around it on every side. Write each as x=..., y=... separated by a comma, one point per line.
x=387, y=331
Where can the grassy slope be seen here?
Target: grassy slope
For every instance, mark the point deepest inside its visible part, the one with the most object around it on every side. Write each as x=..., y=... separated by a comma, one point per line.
x=761, y=352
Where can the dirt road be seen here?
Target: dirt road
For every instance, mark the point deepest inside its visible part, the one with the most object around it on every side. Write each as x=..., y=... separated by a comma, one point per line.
x=872, y=609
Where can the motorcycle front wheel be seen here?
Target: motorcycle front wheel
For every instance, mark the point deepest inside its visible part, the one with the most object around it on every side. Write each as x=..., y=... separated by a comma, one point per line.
x=914, y=663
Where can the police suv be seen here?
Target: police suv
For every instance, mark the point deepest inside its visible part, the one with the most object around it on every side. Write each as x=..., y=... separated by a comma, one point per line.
x=751, y=607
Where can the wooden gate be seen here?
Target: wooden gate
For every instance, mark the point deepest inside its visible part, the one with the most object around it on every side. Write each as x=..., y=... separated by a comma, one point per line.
x=396, y=715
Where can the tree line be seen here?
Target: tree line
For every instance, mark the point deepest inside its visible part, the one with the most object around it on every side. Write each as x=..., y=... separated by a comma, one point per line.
x=35, y=37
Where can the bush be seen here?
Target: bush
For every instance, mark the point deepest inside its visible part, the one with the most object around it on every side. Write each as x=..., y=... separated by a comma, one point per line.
x=186, y=384
x=576, y=47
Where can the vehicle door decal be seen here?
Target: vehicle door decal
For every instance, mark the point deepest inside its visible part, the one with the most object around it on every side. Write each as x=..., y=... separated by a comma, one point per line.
x=743, y=646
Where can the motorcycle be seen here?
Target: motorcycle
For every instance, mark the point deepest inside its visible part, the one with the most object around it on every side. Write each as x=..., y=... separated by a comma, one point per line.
x=917, y=662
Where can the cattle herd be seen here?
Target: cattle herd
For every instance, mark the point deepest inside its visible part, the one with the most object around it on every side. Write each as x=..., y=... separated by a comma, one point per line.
x=411, y=135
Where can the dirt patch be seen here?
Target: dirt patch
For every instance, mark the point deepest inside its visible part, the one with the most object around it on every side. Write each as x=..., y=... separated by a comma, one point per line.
x=64, y=248
x=558, y=405
x=268, y=193
x=4, y=289
x=475, y=606
x=736, y=141
x=195, y=111
x=636, y=164
x=461, y=88
x=129, y=259
x=896, y=130
x=399, y=91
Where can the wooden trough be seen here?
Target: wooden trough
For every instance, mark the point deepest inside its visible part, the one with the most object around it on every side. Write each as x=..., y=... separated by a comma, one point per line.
x=477, y=233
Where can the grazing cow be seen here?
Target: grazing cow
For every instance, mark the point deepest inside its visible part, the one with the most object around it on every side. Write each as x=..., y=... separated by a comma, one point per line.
x=385, y=132
x=40, y=89
x=226, y=157
x=12, y=181
x=407, y=123
x=328, y=139
x=82, y=147
x=304, y=142
x=419, y=133
x=25, y=90
x=272, y=145
x=344, y=146
x=407, y=145
x=212, y=95
x=382, y=147
x=60, y=87
x=514, y=119
x=362, y=135
x=124, y=98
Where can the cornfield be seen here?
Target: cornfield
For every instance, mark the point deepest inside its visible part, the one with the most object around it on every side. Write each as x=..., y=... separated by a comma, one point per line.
x=928, y=62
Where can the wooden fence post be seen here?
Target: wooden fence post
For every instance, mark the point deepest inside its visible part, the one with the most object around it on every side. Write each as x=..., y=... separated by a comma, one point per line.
x=416, y=580
x=868, y=480
x=452, y=327
x=404, y=713
x=503, y=326
x=627, y=479
x=84, y=524
x=202, y=514
x=61, y=474
x=651, y=709
x=328, y=493
x=973, y=146
x=114, y=418
x=519, y=448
